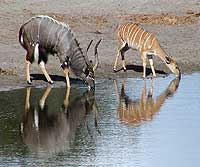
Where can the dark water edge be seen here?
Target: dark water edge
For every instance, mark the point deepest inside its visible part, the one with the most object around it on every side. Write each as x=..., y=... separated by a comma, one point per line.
x=120, y=125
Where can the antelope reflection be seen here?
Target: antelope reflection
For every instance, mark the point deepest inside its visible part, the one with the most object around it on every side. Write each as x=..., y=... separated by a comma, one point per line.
x=54, y=132
x=135, y=111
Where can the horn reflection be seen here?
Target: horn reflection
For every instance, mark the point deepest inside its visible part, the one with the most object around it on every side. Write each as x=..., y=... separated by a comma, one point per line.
x=49, y=126
x=133, y=112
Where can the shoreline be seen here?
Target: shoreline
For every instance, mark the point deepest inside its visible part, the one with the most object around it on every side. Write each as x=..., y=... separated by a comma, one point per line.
x=175, y=24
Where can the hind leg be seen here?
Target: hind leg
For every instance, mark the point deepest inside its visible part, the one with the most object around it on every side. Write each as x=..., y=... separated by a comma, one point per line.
x=29, y=59
x=123, y=50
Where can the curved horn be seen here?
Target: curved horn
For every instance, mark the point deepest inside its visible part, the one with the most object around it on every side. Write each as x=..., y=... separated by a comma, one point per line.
x=86, y=56
x=89, y=46
x=96, y=55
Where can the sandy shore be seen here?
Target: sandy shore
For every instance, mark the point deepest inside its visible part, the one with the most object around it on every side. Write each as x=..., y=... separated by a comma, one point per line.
x=175, y=23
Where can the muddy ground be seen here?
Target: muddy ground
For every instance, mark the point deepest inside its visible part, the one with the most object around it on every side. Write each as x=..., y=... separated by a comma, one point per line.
x=176, y=24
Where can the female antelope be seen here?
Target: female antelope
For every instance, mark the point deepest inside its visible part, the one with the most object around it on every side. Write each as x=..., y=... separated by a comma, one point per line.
x=133, y=36
x=43, y=35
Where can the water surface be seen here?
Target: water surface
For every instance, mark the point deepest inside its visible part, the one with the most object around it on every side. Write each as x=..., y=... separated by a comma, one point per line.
x=127, y=122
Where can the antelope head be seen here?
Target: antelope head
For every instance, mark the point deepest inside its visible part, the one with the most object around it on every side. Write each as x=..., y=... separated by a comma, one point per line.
x=91, y=67
x=173, y=66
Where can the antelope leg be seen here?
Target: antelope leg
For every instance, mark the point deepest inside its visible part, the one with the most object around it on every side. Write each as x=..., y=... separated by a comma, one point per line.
x=116, y=60
x=144, y=64
x=42, y=67
x=123, y=63
x=151, y=64
x=66, y=72
x=28, y=78
x=117, y=56
x=123, y=50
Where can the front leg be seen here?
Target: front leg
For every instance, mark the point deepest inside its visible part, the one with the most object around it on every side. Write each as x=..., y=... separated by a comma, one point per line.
x=144, y=63
x=119, y=51
x=150, y=58
x=42, y=67
x=123, y=62
x=65, y=67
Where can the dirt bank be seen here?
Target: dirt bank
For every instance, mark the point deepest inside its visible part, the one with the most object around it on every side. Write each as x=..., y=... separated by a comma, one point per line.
x=175, y=23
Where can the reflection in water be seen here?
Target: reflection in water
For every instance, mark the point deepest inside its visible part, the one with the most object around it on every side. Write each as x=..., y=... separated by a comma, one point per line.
x=53, y=132
x=143, y=109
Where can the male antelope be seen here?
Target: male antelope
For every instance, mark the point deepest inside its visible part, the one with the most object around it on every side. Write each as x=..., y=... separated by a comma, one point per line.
x=135, y=111
x=43, y=35
x=132, y=36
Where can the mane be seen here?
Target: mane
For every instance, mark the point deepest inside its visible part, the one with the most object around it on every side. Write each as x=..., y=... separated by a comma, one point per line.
x=54, y=20
x=78, y=46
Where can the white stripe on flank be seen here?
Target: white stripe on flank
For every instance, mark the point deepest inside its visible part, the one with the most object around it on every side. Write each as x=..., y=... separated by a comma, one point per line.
x=131, y=39
x=142, y=44
x=139, y=45
x=123, y=32
x=58, y=38
x=152, y=43
x=135, y=36
x=36, y=52
x=127, y=33
x=128, y=40
x=39, y=30
x=147, y=39
x=48, y=35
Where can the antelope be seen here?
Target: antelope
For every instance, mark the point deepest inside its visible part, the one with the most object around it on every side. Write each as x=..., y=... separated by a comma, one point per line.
x=131, y=35
x=134, y=112
x=46, y=127
x=42, y=36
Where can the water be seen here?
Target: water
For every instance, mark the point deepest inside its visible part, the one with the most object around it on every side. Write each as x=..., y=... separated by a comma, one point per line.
x=123, y=124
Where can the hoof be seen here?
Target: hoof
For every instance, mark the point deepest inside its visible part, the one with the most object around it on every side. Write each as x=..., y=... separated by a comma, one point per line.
x=29, y=82
x=143, y=77
x=114, y=70
x=51, y=82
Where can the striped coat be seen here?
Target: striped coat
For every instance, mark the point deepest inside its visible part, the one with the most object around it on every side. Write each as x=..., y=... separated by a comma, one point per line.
x=133, y=36
x=43, y=35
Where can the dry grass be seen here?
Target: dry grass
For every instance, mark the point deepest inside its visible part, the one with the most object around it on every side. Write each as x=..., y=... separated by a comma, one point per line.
x=162, y=19
x=149, y=19
x=7, y=72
